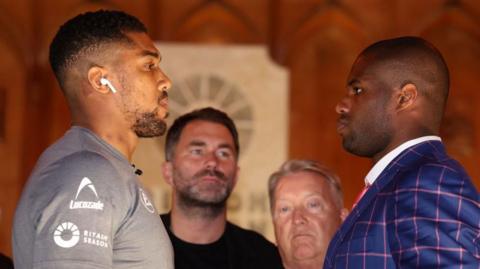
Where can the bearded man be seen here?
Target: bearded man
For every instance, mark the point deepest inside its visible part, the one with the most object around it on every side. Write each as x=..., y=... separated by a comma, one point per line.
x=201, y=165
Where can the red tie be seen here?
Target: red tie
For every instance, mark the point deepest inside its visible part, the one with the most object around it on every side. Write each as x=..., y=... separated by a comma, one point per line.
x=360, y=195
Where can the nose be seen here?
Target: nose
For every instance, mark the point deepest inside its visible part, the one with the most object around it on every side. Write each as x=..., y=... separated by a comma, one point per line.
x=299, y=217
x=211, y=160
x=342, y=107
x=165, y=82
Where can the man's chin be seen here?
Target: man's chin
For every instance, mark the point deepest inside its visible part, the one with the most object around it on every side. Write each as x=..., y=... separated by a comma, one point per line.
x=347, y=145
x=304, y=251
x=154, y=129
x=215, y=201
x=149, y=134
x=210, y=204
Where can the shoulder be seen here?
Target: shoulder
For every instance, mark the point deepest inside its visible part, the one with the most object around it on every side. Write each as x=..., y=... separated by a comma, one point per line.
x=68, y=171
x=86, y=161
x=77, y=176
x=434, y=188
x=248, y=237
x=432, y=178
x=433, y=208
x=433, y=172
x=255, y=249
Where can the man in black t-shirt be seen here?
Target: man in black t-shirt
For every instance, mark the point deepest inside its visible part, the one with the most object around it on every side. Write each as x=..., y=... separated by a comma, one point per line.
x=201, y=166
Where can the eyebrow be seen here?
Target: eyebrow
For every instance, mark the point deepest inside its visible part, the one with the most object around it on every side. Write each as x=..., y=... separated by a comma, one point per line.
x=352, y=81
x=151, y=54
x=227, y=146
x=307, y=195
x=198, y=143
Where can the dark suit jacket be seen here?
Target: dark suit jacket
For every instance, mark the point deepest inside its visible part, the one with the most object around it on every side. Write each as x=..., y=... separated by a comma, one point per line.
x=421, y=212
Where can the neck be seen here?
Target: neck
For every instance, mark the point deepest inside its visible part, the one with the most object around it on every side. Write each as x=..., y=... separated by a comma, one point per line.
x=197, y=225
x=102, y=116
x=403, y=136
x=121, y=138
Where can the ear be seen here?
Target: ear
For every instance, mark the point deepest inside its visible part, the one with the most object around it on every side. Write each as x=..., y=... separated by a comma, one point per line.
x=167, y=172
x=407, y=96
x=94, y=75
x=343, y=214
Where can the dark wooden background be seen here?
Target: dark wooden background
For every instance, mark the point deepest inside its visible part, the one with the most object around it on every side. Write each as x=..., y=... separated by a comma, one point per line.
x=316, y=40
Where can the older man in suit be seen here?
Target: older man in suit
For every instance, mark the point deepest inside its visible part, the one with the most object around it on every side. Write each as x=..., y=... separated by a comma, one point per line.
x=421, y=209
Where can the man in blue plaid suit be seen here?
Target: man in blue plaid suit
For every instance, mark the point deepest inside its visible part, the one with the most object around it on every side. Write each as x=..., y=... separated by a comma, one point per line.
x=421, y=209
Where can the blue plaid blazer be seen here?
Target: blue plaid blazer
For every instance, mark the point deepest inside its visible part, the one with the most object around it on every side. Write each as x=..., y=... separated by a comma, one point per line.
x=422, y=212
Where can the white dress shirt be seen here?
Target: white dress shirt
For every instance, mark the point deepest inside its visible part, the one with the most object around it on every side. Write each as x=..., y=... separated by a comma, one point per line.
x=378, y=168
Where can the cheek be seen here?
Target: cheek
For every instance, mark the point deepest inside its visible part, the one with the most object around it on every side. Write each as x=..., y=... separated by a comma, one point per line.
x=367, y=119
x=282, y=229
x=189, y=163
x=282, y=222
x=144, y=93
x=326, y=225
x=184, y=172
x=229, y=168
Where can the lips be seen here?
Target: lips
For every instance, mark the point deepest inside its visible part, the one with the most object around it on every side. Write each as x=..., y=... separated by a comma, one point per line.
x=164, y=102
x=341, y=124
x=302, y=236
x=163, y=99
x=210, y=179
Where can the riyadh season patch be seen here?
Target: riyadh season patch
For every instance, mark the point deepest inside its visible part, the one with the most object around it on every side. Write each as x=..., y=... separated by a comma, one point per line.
x=68, y=235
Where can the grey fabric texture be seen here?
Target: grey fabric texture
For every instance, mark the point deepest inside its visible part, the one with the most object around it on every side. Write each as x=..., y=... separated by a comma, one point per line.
x=83, y=207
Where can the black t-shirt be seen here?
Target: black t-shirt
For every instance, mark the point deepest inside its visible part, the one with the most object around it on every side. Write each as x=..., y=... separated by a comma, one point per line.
x=236, y=248
x=5, y=262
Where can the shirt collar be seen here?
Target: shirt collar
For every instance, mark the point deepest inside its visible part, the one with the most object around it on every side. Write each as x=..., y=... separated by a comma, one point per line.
x=378, y=168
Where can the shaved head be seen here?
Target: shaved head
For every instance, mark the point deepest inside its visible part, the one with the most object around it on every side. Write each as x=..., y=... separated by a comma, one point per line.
x=396, y=91
x=416, y=61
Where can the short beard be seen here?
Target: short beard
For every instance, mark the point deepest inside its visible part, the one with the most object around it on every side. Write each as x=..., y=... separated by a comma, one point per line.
x=365, y=144
x=201, y=208
x=207, y=209
x=149, y=125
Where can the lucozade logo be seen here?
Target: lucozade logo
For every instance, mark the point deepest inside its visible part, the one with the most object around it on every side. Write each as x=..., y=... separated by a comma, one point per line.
x=75, y=204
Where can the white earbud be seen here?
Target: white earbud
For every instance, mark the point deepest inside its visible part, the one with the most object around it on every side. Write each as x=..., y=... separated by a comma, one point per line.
x=107, y=82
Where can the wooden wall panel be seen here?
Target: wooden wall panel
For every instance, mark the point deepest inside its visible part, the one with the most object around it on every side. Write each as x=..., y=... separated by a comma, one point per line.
x=321, y=52
x=256, y=14
x=14, y=52
x=472, y=7
x=214, y=21
x=12, y=98
x=458, y=37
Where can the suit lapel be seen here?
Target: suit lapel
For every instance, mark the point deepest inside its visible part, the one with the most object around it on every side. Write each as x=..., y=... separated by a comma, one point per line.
x=387, y=175
x=404, y=159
